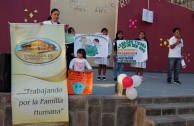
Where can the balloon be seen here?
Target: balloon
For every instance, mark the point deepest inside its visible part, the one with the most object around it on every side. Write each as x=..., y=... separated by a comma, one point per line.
x=131, y=93
x=127, y=81
x=120, y=78
x=136, y=80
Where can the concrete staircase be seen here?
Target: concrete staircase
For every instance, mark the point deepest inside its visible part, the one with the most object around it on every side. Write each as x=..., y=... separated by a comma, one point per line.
x=166, y=112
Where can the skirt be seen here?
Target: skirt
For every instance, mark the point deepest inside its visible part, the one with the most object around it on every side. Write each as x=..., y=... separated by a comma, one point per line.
x=101, y=60
x=139, y=64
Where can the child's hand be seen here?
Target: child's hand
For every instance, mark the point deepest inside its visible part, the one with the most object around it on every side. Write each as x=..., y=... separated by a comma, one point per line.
x=90, y=69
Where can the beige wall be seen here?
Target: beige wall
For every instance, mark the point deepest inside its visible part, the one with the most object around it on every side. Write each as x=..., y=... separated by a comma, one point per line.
x=88, y=21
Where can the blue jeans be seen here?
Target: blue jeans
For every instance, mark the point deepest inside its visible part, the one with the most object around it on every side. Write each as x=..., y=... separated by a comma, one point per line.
x=117, y=66
x=174, y=65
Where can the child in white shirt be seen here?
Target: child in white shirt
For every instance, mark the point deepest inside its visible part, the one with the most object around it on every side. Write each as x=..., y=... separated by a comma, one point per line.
x=79, y=63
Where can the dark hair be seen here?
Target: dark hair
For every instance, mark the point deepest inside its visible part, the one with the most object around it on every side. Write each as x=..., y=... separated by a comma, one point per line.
x=96, y=40
x=70, y=30
x=144, y=34
x=175, y=29
x=104, y=29
x=83, y=52
x=52, y=11
x=118, y=32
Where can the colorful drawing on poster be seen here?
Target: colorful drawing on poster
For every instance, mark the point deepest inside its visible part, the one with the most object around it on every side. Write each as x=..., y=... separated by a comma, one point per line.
x=78, y=87
x=164, y=42
x=80, y=82
x=94, y=45
x=132, y=23
x=131, y=51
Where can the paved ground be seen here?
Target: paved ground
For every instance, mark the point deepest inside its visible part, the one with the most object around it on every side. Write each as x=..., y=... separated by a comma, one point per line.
x=154, y=85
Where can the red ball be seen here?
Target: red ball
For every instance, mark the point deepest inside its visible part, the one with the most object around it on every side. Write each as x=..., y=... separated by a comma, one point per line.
x=127, y=82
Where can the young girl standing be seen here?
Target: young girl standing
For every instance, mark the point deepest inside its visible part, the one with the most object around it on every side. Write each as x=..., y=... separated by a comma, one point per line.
x=69, y=48
x=79, y=63
x=119, y=36
x=103, y=61
x=139, y=66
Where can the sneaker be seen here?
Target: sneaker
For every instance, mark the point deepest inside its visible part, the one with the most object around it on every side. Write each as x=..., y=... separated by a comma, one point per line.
x=115, y=79
x=177, y=82
x=99, y=78
x=169, y=81
x=103, y=78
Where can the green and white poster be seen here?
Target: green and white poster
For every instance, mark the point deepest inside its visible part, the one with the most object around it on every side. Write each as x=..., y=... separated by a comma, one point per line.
x=131, y=51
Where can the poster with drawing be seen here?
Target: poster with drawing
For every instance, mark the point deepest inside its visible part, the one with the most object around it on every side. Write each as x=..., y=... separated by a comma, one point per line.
x=132, y=51
x=80, y=82
x=94, y=45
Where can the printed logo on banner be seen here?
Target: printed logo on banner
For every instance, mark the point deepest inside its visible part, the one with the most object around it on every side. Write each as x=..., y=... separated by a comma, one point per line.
x=39, y=82
x=37, y=51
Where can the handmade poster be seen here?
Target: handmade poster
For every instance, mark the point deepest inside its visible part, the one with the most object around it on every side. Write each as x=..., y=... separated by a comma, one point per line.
x=131, y=51
x=39, y=84
x=80, y=82
x=94, y=45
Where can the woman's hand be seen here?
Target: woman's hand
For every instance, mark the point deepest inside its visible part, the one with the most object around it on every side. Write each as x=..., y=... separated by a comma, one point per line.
x=72, y=54
x=66, y=27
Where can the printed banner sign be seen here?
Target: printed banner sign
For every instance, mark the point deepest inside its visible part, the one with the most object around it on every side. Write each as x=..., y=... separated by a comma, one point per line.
x=131, y=51
x=39, y=84
x=80, y=82
x=94, y=45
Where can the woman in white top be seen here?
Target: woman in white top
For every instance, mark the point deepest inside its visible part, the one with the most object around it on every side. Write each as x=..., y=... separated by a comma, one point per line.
x=54, y=17
x=103, y=61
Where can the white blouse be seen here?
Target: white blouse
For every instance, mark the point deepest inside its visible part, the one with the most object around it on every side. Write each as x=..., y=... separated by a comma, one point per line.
x=49, y=22
x=79, y=64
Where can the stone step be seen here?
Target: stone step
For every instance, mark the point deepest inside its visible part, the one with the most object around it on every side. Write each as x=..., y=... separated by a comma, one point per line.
x=160, y=100
x=168, y=109
x=170, y=120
